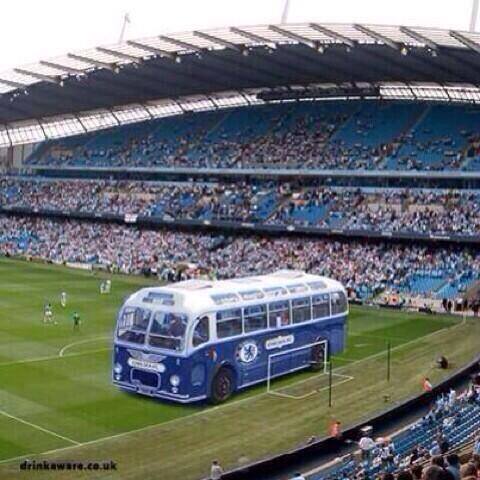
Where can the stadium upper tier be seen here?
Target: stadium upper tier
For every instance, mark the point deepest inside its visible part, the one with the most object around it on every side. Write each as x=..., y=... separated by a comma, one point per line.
x=314, y=135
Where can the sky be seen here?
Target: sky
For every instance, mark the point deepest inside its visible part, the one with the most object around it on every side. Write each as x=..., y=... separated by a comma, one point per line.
x=31, y=30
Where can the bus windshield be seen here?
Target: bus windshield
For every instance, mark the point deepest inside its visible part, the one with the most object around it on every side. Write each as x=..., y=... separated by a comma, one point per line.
x=168, y=330
x=133, y=323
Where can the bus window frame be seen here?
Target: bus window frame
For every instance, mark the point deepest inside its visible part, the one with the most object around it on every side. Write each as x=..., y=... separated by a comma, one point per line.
x=216, y=323
x=287, y=309
x=195, y=323
x=265, y=313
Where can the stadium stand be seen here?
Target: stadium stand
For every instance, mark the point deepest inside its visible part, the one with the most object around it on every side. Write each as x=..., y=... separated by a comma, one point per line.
x=452, y=422
x=364, y=268
x=401, y=210
x=334, y=135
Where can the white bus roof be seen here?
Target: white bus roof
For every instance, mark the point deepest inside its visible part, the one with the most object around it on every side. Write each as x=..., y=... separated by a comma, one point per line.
x=201, y=296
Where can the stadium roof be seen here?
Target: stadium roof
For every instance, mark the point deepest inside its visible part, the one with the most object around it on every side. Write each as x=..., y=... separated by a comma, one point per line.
x=149, y=76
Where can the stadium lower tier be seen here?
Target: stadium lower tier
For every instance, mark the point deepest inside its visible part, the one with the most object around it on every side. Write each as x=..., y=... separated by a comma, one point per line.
x=452, y=422
x=366, y=269
x=368, y=135
x=437, y=212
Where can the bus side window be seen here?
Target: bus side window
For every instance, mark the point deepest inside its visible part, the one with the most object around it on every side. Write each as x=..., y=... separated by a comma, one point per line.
x=321, y=306
x=301, y=310
x=339, y=303
x=279, y=314
x=201, y=333
x=255, y=318
x=229, y=323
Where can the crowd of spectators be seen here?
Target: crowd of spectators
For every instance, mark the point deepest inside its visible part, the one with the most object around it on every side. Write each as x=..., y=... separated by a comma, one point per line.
x=186, y=200
x=358, y=265
x=426, y=450
x=416, y=211
x=379, y=210
x=321, y=135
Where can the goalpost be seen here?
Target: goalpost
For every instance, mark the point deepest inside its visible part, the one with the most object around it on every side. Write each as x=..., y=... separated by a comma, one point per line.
x=306, y=354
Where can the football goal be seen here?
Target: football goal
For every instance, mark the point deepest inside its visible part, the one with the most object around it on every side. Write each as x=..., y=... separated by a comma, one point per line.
x=313, y=355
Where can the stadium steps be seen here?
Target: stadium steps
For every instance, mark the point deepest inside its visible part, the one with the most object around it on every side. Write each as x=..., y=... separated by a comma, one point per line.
x=408, y=128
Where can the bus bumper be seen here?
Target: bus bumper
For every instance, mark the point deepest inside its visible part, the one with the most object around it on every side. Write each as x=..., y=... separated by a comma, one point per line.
x=152, y=392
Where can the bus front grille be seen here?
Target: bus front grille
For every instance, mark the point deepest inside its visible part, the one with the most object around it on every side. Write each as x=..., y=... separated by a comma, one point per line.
x=149, y=379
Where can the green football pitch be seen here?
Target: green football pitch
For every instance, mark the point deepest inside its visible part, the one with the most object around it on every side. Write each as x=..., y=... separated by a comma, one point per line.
x=57, y=402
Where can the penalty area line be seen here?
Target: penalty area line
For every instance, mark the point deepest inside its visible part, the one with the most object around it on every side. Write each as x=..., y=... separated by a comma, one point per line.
x=38, y=427
x=346, y=378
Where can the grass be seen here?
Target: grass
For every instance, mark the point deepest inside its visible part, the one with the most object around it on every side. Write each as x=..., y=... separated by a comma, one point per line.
x=67, y=406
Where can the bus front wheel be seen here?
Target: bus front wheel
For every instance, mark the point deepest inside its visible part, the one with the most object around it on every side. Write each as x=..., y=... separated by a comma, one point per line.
x=222, y=386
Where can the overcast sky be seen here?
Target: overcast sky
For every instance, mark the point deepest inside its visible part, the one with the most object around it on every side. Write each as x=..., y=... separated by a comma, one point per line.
x=37, y=29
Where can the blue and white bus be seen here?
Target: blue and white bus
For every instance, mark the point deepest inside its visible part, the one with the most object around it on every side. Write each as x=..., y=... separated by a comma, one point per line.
x=199, y=339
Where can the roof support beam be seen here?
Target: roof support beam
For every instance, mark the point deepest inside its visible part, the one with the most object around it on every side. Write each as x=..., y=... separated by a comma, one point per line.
x=220, y=41
x=63, y=68
x=334, y=35
x=93, y=62
x=181, y=44
x=38, y=76
x=11, y=83
x=120, y=55
x=465, y=41
x=293, y=36
x=420, y=38
x=377, y=36
x=154, y=50
x=253, y=37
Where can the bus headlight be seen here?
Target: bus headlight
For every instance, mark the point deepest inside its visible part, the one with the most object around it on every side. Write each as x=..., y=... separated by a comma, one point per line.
x=117, y=368
x=174, y=380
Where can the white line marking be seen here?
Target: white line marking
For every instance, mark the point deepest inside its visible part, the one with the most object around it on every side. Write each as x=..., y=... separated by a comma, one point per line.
x=38, y=427
x=53, y=357
x=81, y=342
x=278, y=393
x=219, y=407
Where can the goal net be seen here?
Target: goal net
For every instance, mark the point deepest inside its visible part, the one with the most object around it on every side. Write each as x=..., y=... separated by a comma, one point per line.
x=313, y=355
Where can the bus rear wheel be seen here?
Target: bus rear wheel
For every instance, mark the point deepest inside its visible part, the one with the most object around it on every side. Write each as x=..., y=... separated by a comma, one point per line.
x=318, y=357
x=222, y=386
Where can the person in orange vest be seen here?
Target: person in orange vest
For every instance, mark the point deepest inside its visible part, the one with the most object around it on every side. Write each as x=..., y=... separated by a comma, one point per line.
x=335, y=429
x=427, y=386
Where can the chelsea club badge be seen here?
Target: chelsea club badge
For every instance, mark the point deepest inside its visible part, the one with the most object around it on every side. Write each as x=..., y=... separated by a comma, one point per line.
x=247, y=351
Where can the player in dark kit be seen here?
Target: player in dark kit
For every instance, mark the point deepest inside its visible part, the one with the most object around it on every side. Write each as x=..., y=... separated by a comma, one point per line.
x=76, y=321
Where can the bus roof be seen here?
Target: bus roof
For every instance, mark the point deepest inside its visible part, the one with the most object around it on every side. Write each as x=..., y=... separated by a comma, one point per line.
x=199, y=296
